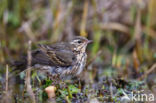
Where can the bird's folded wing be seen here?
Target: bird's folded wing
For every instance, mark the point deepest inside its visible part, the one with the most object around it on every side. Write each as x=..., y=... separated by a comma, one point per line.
x=39, y=57
x=60, y=57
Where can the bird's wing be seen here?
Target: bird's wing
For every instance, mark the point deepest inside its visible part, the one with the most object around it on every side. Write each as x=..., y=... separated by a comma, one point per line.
x=39, y=57
x=59, y=54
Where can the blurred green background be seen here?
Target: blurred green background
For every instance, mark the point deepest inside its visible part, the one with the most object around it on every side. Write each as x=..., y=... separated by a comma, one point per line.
x=123, y=31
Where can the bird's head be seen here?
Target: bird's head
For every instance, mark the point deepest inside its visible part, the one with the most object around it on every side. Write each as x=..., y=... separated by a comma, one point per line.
x=80, y=43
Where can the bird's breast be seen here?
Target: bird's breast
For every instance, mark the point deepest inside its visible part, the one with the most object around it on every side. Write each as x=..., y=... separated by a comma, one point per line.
x=81, y=62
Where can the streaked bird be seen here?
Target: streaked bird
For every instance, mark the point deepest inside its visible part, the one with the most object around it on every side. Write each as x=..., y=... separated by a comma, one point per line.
x=60, y=59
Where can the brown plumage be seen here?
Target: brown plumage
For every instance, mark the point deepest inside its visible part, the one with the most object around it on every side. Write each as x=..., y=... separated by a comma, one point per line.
x=58, y=59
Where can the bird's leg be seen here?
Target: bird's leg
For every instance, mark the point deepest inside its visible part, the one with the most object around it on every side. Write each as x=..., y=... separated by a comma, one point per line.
x=56, y=80
x=62, y=82
x=79, y=83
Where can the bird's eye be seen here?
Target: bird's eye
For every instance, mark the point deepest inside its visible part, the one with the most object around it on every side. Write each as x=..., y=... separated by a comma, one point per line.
x=79, y=41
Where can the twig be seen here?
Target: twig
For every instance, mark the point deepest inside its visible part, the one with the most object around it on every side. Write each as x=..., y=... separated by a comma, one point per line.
x=84, y=19
x=148, y=72
x=6, y=79
x=26, y=28
x=98, y=53
x=111, y=91
x=115, y=26
x=7, y=96
x=149, y=31
x=28, y=72
x=67, y=99
x=138, y=29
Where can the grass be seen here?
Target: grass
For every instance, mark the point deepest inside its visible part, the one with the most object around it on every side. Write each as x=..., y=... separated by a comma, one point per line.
x=123, y=33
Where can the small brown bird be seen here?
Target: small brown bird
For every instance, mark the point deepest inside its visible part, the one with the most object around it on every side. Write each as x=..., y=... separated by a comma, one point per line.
x=59, y=59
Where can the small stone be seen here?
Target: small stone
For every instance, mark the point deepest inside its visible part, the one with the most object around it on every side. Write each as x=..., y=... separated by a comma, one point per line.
x=50, y=91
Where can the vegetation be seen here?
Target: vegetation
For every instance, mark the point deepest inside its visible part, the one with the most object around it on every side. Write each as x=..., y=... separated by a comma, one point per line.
x=121, y=59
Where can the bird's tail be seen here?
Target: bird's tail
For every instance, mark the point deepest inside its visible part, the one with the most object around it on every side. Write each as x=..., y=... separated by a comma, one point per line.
x=18, y=66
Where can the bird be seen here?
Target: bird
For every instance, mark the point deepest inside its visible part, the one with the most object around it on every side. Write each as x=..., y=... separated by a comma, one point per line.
x=59, y=59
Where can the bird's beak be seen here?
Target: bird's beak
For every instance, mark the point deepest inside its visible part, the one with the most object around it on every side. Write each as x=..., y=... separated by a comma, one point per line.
x=89, y=41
